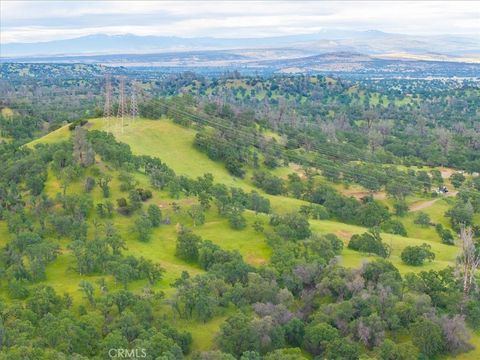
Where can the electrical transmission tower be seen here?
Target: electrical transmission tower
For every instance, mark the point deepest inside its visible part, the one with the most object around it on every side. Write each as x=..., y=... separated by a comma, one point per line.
x=107, y=108
x=122, y=104
x=133, y=102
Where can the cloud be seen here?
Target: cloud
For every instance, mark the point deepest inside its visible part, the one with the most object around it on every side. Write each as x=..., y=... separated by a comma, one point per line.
x=31, y=21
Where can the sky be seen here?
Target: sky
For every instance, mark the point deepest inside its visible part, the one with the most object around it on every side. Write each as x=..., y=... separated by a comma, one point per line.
x=34, y=21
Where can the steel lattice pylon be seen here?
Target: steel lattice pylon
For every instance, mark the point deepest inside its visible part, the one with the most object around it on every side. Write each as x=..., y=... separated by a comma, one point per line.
x=107, y=108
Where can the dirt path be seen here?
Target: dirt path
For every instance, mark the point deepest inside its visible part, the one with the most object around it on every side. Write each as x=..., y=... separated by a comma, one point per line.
x=422, y=204
x=446, y=172
x=425, y=204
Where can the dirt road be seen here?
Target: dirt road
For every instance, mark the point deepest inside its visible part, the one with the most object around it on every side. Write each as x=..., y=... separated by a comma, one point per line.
x=420, y=205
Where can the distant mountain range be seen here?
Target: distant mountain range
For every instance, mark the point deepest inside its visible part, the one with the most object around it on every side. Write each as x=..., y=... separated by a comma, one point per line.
x=376, y=43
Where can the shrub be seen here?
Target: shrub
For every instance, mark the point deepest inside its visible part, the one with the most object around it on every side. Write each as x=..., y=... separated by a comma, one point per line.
x=318, y=336
x=401, y=208
x=422, y=219
x=272, y=185
x=427, y=337
x=457, y=179
x=80, y=122
x=445, y=234
x=416, y=255
x=369, y=242
x=293, y=226
x=144, y=194
x=472, y=310
x=258, y=226
x=155, y=215
x=143, y=227
x=18, y=289
x=236, y=220
x=372, y=213
x=314, y=211
x=380, y=269
x=123, y=207
x=342, y=349
x=122, y=202
x=89, y=184
x=127, y=181
x=394, y=227
x=187, y=245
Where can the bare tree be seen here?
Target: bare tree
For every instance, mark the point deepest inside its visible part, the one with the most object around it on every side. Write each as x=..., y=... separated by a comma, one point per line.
x=375, y=139
x=469, y=259
x=473, y=137
x=459, y=128
x=371, y=116
x=82, y=149
x=282, y=107
x=444, y=138
x=455, y=333
x=385, y=127
x=328, y=128
x=421, y=123
x=341, y=121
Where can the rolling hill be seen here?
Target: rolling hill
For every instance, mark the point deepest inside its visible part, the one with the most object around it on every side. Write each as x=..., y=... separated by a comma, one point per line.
x=173, y=144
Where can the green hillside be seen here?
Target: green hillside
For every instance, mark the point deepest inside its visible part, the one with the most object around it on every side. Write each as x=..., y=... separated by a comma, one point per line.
x=174, y=145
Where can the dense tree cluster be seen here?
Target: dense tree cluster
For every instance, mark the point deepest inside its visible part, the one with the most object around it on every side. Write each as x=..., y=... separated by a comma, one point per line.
x=343, y=311
x=48, y=327
x=225, y=147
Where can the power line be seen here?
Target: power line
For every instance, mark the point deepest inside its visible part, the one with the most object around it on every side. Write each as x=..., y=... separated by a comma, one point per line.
x=133, y=101
x=122, y=104
x=252, y=140
x=107, y=109
x=322, y=150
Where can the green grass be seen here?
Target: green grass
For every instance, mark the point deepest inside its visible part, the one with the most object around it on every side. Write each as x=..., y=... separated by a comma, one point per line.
x=445, y=254
x=203, y=334
x=436, y=213
x=4, y=234
x=475, y=353
x=173, y=144
x=161, y=247
x=248, y=242
x=155, y=138
x=53, y=137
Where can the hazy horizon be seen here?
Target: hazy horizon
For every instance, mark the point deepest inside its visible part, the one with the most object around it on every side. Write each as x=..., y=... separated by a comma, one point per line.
x=29, y=22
